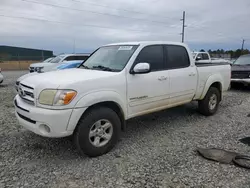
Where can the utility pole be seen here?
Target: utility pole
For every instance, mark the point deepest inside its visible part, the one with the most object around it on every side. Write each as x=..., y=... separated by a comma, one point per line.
x=74, y=47
x=183, y=26
x=42, y=55
x=242, y=47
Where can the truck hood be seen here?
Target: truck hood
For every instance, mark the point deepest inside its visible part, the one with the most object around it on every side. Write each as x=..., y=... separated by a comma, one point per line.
x=243, y=68
x=63, y=78
x=26, y=76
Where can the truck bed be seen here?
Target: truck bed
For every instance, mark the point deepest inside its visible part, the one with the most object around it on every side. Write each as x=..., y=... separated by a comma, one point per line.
x=207, y=72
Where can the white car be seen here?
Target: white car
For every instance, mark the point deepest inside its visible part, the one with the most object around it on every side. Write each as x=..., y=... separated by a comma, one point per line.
x=55, y=62
x=1, y=76
x=117, y=82
x=204, y=57
x=61, y=66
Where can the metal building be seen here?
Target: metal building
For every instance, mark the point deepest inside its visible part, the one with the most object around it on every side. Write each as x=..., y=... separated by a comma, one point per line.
x=11, y=53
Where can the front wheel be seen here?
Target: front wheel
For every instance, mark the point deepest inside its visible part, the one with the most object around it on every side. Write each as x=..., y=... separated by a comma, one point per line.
x=209, y=105
x=97, y=131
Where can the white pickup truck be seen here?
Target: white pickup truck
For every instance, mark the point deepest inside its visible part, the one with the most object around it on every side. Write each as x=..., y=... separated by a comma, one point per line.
x=204, y=57
x=117, y=82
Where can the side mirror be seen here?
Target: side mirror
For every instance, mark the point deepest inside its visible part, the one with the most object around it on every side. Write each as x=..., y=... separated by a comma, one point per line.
x=198, y=58
x=141, y=68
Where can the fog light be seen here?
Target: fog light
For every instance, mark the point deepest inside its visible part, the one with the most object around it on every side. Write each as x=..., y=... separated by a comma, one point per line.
x=44, y=129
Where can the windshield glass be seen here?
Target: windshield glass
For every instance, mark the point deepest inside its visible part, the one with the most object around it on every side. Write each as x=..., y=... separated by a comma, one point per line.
x=48, y=60
x=57, y=59
x=243, y=60
x=194, y=54
x=110, y=58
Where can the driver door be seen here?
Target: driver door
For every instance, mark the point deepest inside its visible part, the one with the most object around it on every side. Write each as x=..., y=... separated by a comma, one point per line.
x=148, y=92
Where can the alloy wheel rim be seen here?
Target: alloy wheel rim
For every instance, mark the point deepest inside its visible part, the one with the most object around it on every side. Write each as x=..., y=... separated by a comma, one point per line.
x=212, y=102
x=100, y=133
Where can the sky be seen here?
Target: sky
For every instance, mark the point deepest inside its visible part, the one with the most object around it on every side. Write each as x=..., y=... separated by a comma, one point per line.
x=68, y=26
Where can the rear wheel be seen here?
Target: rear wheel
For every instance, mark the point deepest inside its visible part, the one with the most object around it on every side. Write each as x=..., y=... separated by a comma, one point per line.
x=97, y=131
x=209, y=105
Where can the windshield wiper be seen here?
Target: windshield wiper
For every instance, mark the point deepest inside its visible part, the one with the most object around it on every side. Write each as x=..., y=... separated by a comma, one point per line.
x=104, y=68
x=84, y=66
x=242, y=64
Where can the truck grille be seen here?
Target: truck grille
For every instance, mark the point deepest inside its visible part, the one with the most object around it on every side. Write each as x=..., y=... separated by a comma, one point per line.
x=240, y=74
x=26, y=93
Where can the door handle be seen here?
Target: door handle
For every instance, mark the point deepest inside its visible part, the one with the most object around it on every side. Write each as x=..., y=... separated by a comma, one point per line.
x=191, y=74
x=162, y=78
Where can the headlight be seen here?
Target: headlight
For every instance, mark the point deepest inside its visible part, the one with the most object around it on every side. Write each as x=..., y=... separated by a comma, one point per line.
x=39, y=69
x=56, y=97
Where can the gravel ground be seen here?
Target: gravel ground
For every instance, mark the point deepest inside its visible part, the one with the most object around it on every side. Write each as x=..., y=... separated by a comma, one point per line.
x=156, y=151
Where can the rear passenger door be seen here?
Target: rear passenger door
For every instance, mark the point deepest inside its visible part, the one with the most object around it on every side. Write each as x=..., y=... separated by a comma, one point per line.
x=182, y=76
x=150, y=91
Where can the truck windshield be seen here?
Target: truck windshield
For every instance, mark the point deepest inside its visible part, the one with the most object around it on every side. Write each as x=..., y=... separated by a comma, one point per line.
x=243, y=60
x=48, y=60
x=110, y=58
x=57, y=59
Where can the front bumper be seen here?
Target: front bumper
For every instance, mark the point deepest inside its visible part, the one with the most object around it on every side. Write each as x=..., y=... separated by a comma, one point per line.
x=46, y=122
x=243, y=81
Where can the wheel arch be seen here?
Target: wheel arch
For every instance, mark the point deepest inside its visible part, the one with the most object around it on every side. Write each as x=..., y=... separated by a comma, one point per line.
x=108, y=99
x=213, y=81
x=112, y=105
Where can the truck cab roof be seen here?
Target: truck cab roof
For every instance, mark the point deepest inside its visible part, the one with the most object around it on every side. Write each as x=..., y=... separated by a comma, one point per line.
x=145, y=43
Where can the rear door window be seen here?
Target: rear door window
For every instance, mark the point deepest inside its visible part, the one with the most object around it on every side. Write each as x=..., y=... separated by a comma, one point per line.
x=205, y=56
x=76, y=57
x=70, y=58
x=82, y=57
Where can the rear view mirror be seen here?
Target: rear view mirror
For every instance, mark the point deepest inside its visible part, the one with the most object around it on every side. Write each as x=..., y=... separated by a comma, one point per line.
x=198, y=58
x=141, y=68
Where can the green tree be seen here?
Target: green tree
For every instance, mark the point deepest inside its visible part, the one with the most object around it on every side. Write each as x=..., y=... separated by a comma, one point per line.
x=237, y=53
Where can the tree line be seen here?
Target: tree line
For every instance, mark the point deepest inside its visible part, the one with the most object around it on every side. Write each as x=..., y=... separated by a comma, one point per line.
x=234, y=53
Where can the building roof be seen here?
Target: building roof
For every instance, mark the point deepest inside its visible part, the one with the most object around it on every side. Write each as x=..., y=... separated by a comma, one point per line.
x=21, y=48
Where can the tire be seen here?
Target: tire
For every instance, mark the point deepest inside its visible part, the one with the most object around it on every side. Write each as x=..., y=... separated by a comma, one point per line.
x=205, y=107
x=88, y=125
x=238, y=161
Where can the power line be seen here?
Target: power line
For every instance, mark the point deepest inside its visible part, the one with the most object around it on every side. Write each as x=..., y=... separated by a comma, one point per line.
x=79, y=25
x=94, y=12
x=119, y=9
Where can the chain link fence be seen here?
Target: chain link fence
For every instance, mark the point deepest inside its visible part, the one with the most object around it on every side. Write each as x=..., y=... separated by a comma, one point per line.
x=19, y=62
